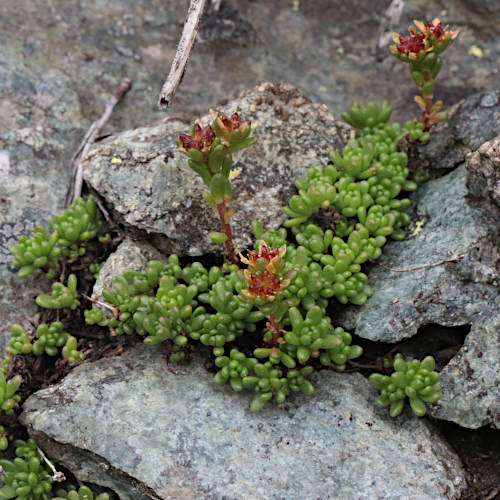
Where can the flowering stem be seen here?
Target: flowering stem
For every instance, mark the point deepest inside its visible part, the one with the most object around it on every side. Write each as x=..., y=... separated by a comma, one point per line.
x=274, y=328
x=226, y=229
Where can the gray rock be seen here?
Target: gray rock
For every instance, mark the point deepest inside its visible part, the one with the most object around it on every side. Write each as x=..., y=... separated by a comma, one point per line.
x=483, y=171
x=25, y=201
x=471, y=380
x=471, y=123
x=129, y=255
x=47, y=103
x=445, y=223
x=168, y=436
x=146, y=180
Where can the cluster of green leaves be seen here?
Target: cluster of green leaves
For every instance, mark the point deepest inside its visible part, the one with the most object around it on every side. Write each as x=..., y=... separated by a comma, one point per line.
x=26, y=479
x=76, y=225
x=363, y=185
x=49, y=339
x=95, y=269
x=164, y=303
x=412, y=379
x=72, y=229
x=39, y=252
x=84, y=493
x=362, y=188
x=269, y=378
x=62, y=297
x=8, y=397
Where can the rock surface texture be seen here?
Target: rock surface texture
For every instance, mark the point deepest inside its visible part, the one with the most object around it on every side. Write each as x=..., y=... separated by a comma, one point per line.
x=470, y=124
x=168, y=436
x=445, y=223
x=483, y=170
x=471, y=380
x=146, y=181
x=129, y=255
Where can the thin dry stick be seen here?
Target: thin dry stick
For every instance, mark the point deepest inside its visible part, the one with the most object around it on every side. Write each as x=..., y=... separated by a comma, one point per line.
x=98, y=200
x=75, y=187
x=216, y=5
x=182, y=55
x=456, y=258
x=58, y=477
x=114, y=310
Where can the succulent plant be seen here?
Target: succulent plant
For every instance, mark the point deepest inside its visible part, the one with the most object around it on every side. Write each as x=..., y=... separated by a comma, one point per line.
x=4, y=366
x=96, y=317
x=95, y=269
x=422, y=51
x=209, y=150
x=76, y=225
x=8, y=396
x=63, y=297
x=26, y=449
x=25, y=480
x=84, y=493
x=4, y=441
x=39, y=252
x=70, y=351
x=412, y=379
x=49, y=339
x=19, y=342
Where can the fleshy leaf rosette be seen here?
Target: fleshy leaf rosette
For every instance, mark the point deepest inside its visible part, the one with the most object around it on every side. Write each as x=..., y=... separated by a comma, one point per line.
x=412, y=379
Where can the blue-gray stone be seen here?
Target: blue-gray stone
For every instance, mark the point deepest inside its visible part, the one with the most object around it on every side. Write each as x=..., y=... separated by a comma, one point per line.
x=129, y=424
x=446, y=222
x=470, y=123
x=471, y=380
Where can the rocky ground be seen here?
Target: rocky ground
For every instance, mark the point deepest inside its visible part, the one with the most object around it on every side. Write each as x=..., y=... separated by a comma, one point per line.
x=60, y=63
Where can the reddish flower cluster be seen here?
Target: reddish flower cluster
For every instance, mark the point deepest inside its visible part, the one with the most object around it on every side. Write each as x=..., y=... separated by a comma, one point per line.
x=265, y=253
x=415, y=44
x=436, y=30
x=418, y=42
x=202, y=139
x=233, y=123
x=265, y=283
x=264, y=288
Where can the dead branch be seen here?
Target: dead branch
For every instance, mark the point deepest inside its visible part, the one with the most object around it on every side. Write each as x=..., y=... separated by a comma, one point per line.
x=181, y=58
x=114, y=310
x=76, y=181
x=456, y=258
x=100, y=204
x=57, y=476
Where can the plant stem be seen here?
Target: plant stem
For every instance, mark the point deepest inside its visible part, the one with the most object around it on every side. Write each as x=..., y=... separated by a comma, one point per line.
x=274, y=328
x=226, y=229
x=426, y=113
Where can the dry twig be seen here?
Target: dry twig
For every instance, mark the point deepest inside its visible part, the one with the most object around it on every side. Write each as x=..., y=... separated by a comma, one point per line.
x=57, y=476
x=114, y=310
x=182, y=55
x=76, y=182
x=455, y=258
